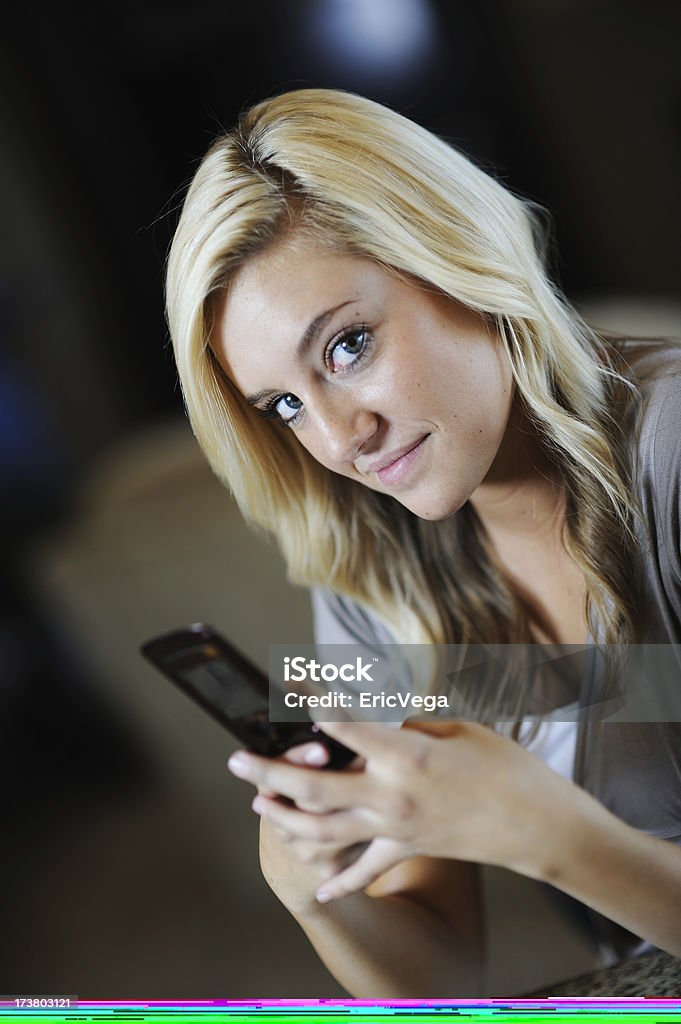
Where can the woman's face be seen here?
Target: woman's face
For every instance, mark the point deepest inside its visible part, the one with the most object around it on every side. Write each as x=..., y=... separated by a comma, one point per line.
x=392, y=385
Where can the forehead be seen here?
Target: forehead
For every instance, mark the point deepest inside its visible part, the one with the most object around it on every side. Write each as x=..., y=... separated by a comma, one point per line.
x=274, y=297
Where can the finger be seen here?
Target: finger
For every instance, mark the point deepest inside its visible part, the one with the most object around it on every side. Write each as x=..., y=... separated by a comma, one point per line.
x=310, y=808
x=328, y=790
x=313, y=754
x=344, y=828
x=262, y=791
x=349, y=854
x=377, y=859
x=305, y=753
x=356, y=765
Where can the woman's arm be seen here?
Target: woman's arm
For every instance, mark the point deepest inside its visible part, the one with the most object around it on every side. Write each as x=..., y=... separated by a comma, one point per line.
x=625, y=874
x=417, y=931
x=558, y=833
x=473, y=795
x=574, y=843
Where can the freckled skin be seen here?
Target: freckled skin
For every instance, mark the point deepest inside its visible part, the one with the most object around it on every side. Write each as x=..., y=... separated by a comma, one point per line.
x=434, y=369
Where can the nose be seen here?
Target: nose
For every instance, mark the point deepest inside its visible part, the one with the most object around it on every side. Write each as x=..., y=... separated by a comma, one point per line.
x=344, y=429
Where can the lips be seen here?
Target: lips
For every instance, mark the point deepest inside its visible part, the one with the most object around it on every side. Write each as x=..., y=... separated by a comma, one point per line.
x=393, y=467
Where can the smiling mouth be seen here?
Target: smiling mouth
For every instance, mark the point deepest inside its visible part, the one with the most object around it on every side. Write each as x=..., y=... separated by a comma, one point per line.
x=396, y=470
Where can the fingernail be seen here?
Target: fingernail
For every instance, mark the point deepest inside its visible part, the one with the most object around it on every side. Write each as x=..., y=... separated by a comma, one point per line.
x=316, y=755
x=238, y=765
x=323, y=896
x=258, y=805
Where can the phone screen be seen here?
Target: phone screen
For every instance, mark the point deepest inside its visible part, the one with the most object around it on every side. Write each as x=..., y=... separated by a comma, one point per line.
x=216, y=682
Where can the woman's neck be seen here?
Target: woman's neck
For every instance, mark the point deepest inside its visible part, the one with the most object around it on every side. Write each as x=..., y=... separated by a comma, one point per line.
x=522, y=498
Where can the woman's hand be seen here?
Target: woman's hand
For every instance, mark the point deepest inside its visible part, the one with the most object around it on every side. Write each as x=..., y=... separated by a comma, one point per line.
x=440, y=789
x=294, y=868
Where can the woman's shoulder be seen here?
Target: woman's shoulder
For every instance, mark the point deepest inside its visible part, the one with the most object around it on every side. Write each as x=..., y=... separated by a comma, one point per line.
x=652, y=363
x=342, y=620
x=656, y=370
x=339, y=619
x=657, y=443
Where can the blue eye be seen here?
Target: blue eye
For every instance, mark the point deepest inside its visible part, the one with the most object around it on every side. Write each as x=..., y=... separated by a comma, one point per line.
x=283, y=408
x=287, y=407
x=348, y=349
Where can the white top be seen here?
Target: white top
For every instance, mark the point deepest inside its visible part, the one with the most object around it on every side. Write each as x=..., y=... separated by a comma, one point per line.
x=555, y=743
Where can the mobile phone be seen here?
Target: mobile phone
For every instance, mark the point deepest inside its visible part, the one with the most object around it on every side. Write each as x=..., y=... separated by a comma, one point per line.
x=218, y=677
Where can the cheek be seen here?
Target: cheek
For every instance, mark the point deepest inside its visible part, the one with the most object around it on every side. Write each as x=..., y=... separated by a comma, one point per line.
x=319, y=452
x=479, y=402
x=313, y=448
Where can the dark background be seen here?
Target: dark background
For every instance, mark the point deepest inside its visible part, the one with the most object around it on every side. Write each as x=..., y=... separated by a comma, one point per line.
x=105, y=110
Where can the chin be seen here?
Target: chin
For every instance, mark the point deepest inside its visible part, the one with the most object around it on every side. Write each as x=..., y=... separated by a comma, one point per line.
x=436, y=510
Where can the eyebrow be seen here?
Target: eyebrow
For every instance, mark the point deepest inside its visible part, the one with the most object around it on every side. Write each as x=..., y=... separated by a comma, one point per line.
x=304, y=345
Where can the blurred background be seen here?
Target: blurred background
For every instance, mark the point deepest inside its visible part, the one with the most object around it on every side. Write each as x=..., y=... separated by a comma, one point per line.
x=129, y=853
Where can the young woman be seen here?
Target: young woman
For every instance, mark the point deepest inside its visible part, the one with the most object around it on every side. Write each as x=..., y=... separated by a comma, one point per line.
x=462, y=460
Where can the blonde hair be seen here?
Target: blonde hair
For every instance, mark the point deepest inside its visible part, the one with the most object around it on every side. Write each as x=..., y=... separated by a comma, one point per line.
x=367, y=181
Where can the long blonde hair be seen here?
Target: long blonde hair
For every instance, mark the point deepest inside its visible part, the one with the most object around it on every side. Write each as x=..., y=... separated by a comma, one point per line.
x=365, y=180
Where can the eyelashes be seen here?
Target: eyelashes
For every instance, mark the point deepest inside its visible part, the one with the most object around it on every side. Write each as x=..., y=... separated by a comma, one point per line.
x=341, y=341
x=269, y=412
x=357, y=337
